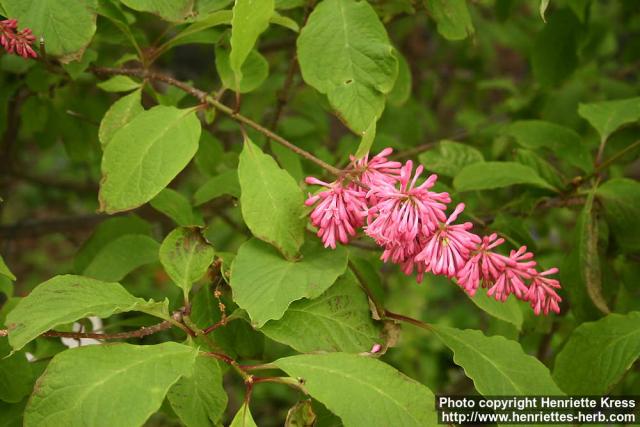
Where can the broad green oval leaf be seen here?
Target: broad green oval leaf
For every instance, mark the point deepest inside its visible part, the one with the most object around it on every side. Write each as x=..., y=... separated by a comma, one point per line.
x=264, y=283
x=119, y=84
x=449, y=157
x=496, y=365
x=243, y=417
x=4, y=270
x=73, y=390
x=606, y=117
x=272, y=203
x=255, y=70
x=16, y=377
x=338, y=320
x=250, y=19
x=554, y=53
x=65, y=299
x=145, y=155
x=106, y=232
x=620, y=199
x=508, y=311
x=121, y=256
x=200, y=400
x=170, y=10
x=219, y=185
x=452, y=18
x=598, y=354
x=186, y=255
x=210, y=155
x=490, y=175
x=378, y=395
x=119, y=114
x=362, y=68
x=285, y=21
x=67, y=27
x=565, y=143
x=177, y=207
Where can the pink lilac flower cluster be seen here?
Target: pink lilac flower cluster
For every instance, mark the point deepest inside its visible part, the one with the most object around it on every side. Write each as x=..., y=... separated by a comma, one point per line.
x=409, y=221
x=17, y=42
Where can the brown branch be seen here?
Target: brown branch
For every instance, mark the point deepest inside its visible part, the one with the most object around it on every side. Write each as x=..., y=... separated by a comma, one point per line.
x=138, y=333
x=402, y=318
x=205, y=98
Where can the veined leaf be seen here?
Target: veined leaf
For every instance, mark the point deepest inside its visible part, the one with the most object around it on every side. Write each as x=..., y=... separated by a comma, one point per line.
x=271, y=201
x=200, y=400
x=598, y=354
x=363, y=67
x=170, y=10
x=250, y=19
x=264, y=283
x=121, y=256
x=378, y=395
x=166, y=139
x=243, y=417
x=620, y=199
x=186, y=255
x=177, y=207
x=496, y=365
x=72, y=390
x=490, y=175
x=452, y=17
x=606, y=117
x=65, y=299
x=449, y=157
x=337, y=320
x=119, y=114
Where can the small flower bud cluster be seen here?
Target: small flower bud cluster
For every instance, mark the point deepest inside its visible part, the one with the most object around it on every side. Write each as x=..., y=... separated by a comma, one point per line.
x=17, y=42
x=409, y=222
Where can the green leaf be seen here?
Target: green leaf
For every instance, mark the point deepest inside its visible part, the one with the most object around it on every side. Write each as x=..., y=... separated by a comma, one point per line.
x=16, y=378
x=222, y=17
x=271, y=201
x=200, y=400
x=67, y=27
x=65, y=299
x=598, y=354
x=620, y=198
x=225, y=183
x=449, y=157
x=11, y=414
x=166, y=139
x=565, y=143
x=378, y=395
x=496, y=365
x=4, y=270
x=285, y=22
x=508, y=311
x=106, y=232
x=344, y=52
x=554, y=54
x=121, y=256
x=135, y=378
x=177, y=207
x=255, y=70
x=402, y=88
x=337, y=320
x=264, y=283
x=608, y=116
x=209, y=156
x=170, y=10
x=250, y=19
x=490, y=175
x=119, y=114
x=452, y=17
x=186, y=255
x=243, y=417
x=119, y=84
x=543, y=9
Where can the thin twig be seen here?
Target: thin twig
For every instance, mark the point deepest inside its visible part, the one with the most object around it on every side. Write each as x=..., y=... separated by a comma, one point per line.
x=138, y=333
x=205, y=98
x=402, y=318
